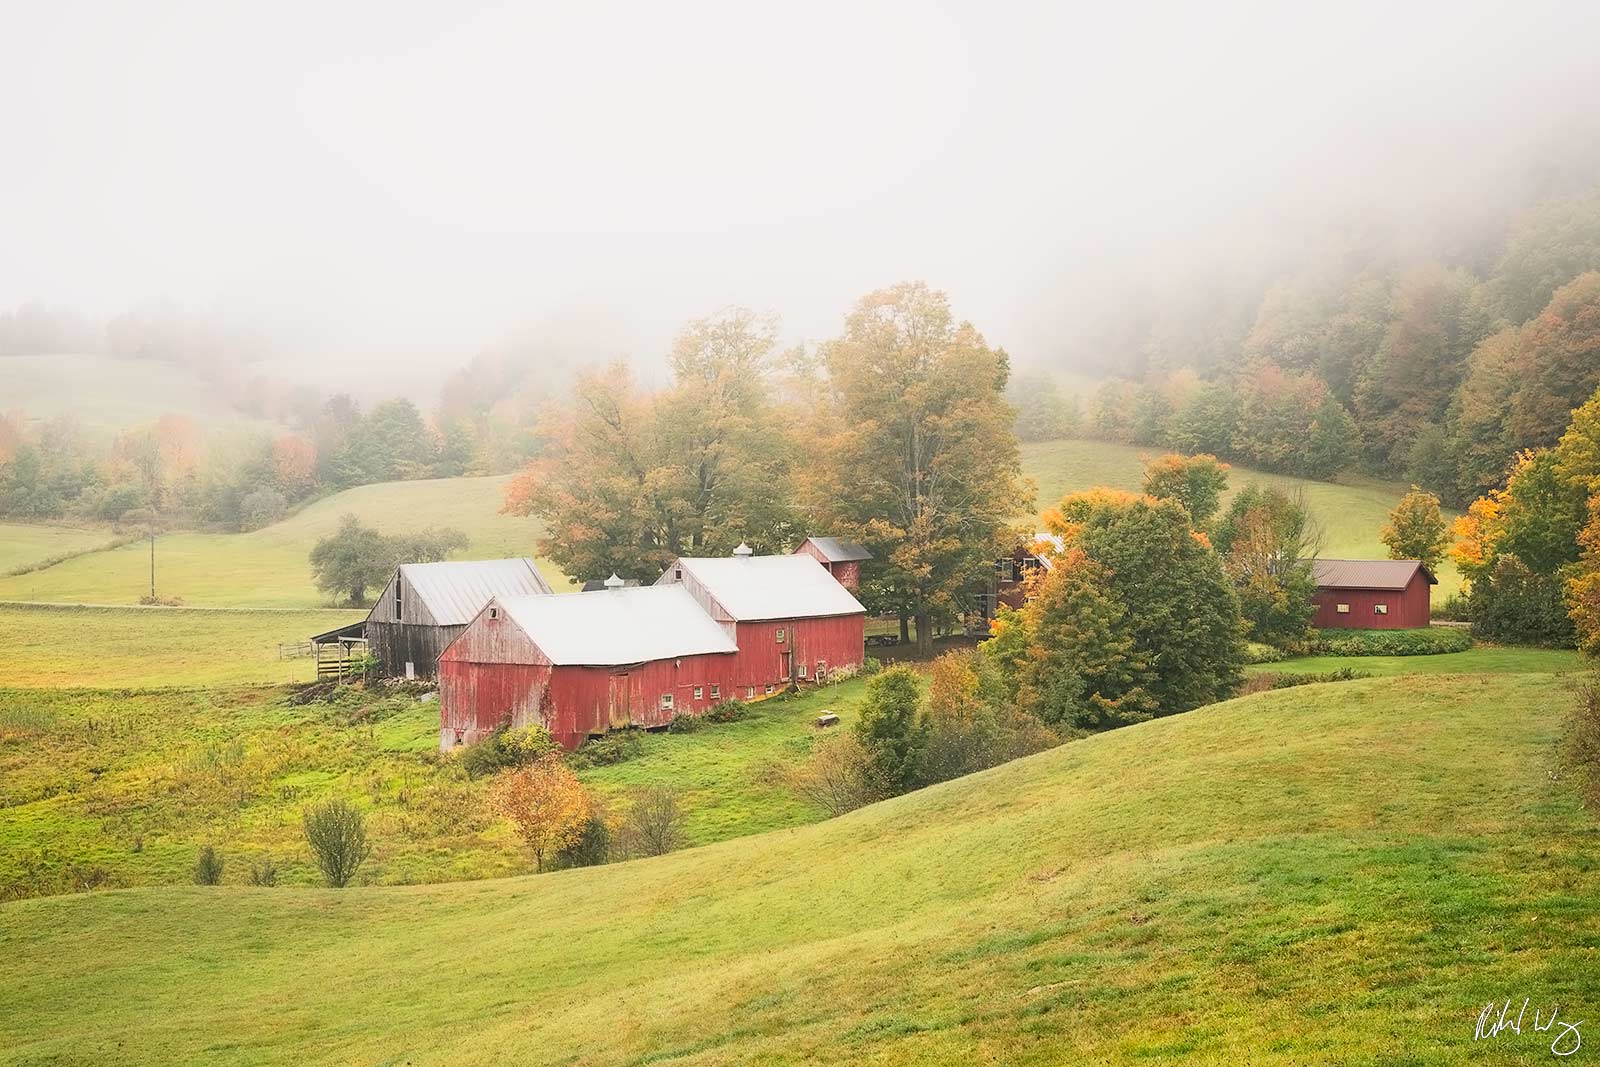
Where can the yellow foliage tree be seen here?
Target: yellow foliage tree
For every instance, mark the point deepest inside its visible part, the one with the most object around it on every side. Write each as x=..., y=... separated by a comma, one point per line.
x=546, y=803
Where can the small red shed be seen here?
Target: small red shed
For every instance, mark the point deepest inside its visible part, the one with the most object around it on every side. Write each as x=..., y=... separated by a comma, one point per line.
x=582, y=664
x=1372, y=594
x=841, y=558
x=792, y=620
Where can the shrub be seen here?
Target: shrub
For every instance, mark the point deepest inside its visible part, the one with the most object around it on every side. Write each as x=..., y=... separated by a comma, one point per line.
x=507, y=747
x=1514, y=605
x=653, y=825
x=870, y=666
x=1429, y=641
x=891, y=730
x=1583, y=746
x=1256, y=652
x=685, y=723
x=836, y=777
x=264, y=873
x=208, y=868
x=616, y=747
x=1455, y=608
x=727, y=711
x=591, y=848
x=337, y=835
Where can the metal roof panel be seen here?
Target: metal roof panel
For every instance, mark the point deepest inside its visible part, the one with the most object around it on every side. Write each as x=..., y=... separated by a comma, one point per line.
x=456, y=590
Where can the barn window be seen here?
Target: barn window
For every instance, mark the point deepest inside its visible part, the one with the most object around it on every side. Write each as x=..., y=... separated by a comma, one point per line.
x=769, y=690
x=802, y=670
x=677, y=574
x=1008, y=570
x=397, y=601
x=1342, y=609
x=716, y=692
x=494, y=613
x=749, y=692
x=698, y=692
x=666, y=701
x=780, y=635
x=1380, y=609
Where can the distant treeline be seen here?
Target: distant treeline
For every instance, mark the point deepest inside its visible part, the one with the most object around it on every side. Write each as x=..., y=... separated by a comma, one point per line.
x=1436, y=366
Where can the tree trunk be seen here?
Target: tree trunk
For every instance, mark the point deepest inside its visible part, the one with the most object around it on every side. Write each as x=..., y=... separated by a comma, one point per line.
x=924, y=635
x=905, y=627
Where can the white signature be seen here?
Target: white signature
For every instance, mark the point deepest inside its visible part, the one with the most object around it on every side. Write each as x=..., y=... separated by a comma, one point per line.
x=1496, y=1019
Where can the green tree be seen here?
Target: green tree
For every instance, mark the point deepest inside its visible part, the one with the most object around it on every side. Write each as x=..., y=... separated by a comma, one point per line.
x=336, y=833
x=1206, y=421
x=1266, y=542
x=1044, y=413
x=918, y=460
x=1416, y=529
x=889, y=727
x=356, y=557
x=1196, y=482
x=1332, y=445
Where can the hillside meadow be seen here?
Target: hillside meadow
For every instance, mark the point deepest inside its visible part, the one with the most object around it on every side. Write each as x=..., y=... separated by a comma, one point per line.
x=25, y=545
x=124, y=787
x=1330, y=874
x=270, y=567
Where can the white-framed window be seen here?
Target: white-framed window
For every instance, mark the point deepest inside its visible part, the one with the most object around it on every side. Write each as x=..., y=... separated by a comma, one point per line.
x=1380, y=609
x=749, y=692
x=780, y=635
x=1342, y=609
x=666, y=701
x=677, y=574
x=494, y=613
x=802, y=670
x=769, y=690
x=698, y=692
x=716, y=692
x=1008, y=569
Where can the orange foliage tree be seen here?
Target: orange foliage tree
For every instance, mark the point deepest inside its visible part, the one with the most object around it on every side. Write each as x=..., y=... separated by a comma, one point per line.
x=546, y=803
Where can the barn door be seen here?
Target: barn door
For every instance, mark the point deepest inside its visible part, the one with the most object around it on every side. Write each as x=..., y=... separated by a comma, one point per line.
x=620, y=704
x=788, y=664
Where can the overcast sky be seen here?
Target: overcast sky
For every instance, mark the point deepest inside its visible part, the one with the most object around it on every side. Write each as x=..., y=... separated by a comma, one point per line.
x=406, y=181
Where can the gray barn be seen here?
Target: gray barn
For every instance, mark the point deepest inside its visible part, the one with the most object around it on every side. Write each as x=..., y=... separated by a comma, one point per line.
x=425, y=605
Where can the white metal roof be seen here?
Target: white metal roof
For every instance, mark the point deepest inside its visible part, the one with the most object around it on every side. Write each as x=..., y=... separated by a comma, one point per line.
x=838, y=550
x=456, y=590
x=771, y=587
x=612, y=627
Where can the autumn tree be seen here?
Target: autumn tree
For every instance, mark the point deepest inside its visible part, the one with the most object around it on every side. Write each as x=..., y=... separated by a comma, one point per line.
x=917, y=459
x=547, y=805
x=1416, y=529
x=633, y=479
x=970, y=725
x=1558, y=364
x=1266, y=542
x=1196, y=482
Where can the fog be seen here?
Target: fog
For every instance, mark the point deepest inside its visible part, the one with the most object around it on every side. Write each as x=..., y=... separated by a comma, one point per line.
x=395, y=186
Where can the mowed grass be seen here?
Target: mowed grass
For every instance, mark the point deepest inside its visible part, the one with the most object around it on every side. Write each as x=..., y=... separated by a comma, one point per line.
x=1480, y=659
x=271, y=567
x=126, y=786
x=1350, y=512
x=133, y=647
x=1332, y=874
x=22, y=545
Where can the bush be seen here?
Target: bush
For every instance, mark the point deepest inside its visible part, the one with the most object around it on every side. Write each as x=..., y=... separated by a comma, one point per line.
x=1455, y=608
x=337, y=834
x=507, y=747
x=1514, y=605
x=1256, y=652
x=592, y=846
x=1265, y=680
x=1428, y=641
x=836, y=777
x=264, y=873
x=616, y=747
x=653, y=825
x=870, y=666
x=685, y=723
x=208, y=868
x=1583, y=746
x=727, y=711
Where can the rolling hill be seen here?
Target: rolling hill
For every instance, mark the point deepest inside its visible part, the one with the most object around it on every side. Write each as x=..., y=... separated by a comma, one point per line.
x=270, y=568
x=1329, y=874
x=24, y=545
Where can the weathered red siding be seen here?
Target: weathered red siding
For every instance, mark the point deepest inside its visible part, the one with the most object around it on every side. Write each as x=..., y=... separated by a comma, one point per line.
x=1408, y=608
x=847, y=573
x=493, y=674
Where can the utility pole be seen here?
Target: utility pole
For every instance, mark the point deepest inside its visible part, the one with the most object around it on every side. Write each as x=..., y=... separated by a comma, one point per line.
x=152, y=566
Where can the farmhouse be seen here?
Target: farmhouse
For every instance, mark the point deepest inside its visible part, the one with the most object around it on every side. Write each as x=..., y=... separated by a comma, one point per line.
x=425, y=606
x=709, y=630
x=841, y=558
x=790, y=617
x=1371, y=594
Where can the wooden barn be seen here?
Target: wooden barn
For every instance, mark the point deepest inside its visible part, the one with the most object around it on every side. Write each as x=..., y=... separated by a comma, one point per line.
x=792, y=620
x=583, y=663
x=425, y=606
x=841, y=558
x=1372, y=594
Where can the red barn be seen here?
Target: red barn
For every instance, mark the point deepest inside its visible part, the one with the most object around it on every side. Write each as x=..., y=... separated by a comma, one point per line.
x=841, y=558
x=582, y=664
x=1372, y=594
x=791, y=619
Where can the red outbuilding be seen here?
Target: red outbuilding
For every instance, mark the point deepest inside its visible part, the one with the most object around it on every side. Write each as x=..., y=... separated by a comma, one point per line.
x=709, y=630
x=841, y=558
x=1372, y=594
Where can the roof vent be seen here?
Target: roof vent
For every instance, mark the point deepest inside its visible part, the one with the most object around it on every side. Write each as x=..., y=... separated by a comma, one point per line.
x=614, y=582
x=744, y=551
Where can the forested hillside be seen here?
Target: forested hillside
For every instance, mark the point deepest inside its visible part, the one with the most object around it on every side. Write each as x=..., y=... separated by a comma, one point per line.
x=1433, y=358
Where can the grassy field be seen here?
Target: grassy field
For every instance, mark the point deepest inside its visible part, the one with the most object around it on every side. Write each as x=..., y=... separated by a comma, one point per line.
x=1481, y=659
x=1330, y=874
x=1350, y=512
x=128, y=785
x=132, y=647
x=22, y=545
x=270, y=567
x=106, y=394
